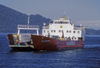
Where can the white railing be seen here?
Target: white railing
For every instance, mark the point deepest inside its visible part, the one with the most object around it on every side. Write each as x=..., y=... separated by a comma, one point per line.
x=77, y=28
x=28, y=26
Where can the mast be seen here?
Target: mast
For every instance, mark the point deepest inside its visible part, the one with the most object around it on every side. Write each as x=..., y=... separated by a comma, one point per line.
x=64, y=15
x=28, y=20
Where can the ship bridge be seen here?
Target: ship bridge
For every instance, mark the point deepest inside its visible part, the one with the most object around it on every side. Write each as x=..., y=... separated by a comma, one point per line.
x=61, y=21
x=69, y=30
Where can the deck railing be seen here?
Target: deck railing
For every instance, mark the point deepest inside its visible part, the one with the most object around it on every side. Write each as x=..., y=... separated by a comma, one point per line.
x=79, y=28
x=28, y=26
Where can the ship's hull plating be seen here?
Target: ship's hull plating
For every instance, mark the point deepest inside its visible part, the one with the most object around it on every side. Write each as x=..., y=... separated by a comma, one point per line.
x=46, y=43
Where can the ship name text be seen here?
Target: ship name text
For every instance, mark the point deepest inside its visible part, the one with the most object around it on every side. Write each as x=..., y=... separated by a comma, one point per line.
x=45, y=40
x=70, y=43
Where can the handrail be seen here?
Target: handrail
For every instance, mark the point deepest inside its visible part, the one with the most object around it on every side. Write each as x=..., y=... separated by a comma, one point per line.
x=28, y=26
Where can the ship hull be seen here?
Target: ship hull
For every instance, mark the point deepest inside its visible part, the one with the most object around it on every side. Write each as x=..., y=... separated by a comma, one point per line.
x=46, y=43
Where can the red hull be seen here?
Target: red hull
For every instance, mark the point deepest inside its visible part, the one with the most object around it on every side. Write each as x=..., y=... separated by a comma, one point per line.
x=46, y=43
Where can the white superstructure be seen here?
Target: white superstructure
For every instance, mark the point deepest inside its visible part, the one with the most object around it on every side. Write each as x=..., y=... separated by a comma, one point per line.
x=69, y=30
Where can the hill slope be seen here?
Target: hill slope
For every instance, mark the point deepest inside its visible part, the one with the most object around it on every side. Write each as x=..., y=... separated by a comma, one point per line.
x=9, y=19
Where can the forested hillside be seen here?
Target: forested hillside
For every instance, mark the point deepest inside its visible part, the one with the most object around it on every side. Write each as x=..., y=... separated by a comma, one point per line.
x=9, y=19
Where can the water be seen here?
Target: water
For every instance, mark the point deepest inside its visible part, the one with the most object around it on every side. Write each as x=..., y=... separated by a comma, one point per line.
x=89, y=57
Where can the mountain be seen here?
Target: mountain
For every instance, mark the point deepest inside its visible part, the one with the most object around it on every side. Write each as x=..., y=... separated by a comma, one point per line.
x=9, y=19
x=92, y=32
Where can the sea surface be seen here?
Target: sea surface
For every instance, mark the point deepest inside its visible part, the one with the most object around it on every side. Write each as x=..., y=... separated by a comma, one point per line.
x=88, y=57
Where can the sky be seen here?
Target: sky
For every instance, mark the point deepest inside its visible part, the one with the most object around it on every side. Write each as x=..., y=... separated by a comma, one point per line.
x=85, y=12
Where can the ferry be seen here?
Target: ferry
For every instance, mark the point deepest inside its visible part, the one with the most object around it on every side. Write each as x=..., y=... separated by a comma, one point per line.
x=59, y=35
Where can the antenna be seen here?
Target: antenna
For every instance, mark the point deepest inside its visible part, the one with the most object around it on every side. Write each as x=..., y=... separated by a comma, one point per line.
x=28, y=19
x=64, y=15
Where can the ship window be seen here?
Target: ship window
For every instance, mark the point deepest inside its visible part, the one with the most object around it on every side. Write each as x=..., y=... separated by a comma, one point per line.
x=73, y=31
x=44, y=31
x=69, y=31
x=54, y=30
x=47, y=31
x=51, y=30
x=78, y=32
x=59, y=30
